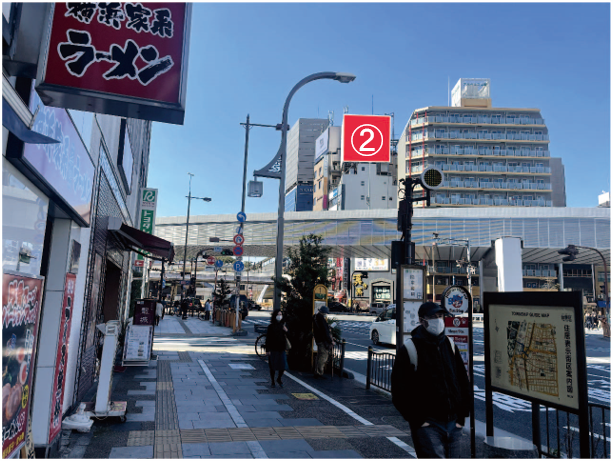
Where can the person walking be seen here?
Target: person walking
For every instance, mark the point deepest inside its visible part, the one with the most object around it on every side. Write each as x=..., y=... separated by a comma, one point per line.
x=159, y=311
x=276, y=343
x=184, y=308
x=207, y=309
x=323, y=339
x=433, y=394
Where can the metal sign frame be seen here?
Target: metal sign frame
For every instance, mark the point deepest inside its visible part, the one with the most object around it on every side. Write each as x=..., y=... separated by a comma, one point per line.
x=403, y=310
x=551, y=301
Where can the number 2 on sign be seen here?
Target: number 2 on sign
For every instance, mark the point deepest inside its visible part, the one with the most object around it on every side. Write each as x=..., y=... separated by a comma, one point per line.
x=372, y=136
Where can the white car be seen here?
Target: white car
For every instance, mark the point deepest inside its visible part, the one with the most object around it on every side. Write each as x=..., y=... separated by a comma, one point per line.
x=383, y=328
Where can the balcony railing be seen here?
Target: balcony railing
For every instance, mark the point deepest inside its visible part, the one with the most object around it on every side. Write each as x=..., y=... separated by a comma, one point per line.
x=477, y=119
x=496, y=185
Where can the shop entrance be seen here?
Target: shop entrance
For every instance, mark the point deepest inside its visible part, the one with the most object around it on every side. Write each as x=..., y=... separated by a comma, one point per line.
x=111, y=291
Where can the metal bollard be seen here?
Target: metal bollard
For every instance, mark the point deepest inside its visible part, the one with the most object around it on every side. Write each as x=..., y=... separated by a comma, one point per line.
x=368, y=366
x=343, y=345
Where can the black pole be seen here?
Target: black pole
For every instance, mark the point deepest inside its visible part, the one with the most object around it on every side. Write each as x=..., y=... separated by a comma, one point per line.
x=161, y=282
x=536, y=426
x=368, y=366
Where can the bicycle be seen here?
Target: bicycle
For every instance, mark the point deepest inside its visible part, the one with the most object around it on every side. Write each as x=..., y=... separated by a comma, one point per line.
x=260, y=342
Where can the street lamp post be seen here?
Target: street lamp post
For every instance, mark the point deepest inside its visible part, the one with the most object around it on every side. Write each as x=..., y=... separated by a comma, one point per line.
x=189, y=201
x=341, y=77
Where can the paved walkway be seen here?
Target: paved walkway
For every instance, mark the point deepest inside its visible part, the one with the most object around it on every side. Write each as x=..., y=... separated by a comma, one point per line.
x=208, y=396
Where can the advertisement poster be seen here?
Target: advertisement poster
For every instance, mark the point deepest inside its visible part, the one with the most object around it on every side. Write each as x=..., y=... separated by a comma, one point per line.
x=57, y=398
x=533, y=352
x=371, y=264
x=457, y=329
x=21, y=299
x=138, y=343
x=456, y=300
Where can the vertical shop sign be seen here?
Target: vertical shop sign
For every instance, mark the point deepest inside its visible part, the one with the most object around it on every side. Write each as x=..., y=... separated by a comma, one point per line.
x=148, y=206
x=57, y=398
x=21, y=300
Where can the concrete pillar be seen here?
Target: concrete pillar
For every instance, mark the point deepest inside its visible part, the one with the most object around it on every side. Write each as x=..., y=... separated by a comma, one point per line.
x=508, y=260
x=561, y=275
x=49, y=330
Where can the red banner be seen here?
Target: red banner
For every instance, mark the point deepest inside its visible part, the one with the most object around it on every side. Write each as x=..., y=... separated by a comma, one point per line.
x=21, y=300
x=57, y=398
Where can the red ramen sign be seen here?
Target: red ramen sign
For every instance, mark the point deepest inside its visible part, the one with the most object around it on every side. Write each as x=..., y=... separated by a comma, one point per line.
x=125, y=59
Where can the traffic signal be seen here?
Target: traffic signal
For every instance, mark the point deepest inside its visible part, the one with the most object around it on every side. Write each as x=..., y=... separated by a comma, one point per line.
x=571, y=251
x=227, y=252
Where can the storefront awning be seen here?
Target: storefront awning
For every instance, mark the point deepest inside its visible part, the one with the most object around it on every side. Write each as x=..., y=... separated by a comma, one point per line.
x=134, y=239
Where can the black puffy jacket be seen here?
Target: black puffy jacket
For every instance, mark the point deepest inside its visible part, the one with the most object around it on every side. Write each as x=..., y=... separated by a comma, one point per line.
x=275, y=337
x=439, y=389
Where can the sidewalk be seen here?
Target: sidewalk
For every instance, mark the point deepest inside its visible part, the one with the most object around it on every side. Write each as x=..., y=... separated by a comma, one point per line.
x=203, y=400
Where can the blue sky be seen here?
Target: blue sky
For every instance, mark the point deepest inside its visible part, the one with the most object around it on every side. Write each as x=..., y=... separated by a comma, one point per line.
x=245, y=58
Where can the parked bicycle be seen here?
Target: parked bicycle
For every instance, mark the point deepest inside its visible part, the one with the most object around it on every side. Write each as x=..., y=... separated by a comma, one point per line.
x=260, y=342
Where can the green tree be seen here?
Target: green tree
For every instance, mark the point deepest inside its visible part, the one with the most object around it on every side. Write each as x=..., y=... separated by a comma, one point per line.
x=220, y=293
x=308, y=266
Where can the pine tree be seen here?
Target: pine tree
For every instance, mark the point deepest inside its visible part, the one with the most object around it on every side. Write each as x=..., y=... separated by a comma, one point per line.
x=220, y=293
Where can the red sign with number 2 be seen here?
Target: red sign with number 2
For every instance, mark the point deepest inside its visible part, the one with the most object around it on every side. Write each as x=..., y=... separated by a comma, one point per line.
x=366, y=138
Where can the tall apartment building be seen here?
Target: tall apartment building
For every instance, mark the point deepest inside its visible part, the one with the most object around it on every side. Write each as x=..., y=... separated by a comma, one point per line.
x=348, y=185
x=490, y=156
x=300, y=158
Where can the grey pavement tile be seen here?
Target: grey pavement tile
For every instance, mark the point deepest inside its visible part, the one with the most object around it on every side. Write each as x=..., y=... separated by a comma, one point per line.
x=229, y=448
x=132, y=452
x=188, y=416
x=213, y=413
x=289, y=455
x=272, y=407
x=285, y=445
x=289, y=422
x=186, y=424
x=272, y=396
x=213, y=424
x=196, y=449
x=336, y=454
x=192, y=457
x=135, y=392
x=222, y=407
x=193, y=408
x=145, y=403
x=232, y=456
x=245, y=408
x=140, y=416
x=262, y=422
x=262, y=414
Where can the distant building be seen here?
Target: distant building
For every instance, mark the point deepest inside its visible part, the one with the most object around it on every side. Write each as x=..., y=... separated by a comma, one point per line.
x=490, y=156
x=604, y=200
x=300, y=158
x=348, y=185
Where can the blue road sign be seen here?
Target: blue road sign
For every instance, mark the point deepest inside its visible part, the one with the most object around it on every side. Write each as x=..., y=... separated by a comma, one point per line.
x=241, y=217
x=218, y=263
x=238, y=266
x=238, y=251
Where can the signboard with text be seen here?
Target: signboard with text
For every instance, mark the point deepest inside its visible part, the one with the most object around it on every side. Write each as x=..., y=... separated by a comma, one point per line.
x=57, y=397
x=366, y=138
x=535, y=347
x=457, y=329
x=123, y=59
x=413, y=291
x=148, y=206
x=21, y=303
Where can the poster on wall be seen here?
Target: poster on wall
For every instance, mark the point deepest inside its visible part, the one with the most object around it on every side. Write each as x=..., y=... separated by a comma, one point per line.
x=534, y=353
x=21, y=300
x=57, y=396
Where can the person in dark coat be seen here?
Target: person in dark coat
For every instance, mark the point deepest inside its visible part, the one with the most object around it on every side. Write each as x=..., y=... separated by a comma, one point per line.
x=276, y=343
x=323, y=339
x=435, y=398
x=184, y=308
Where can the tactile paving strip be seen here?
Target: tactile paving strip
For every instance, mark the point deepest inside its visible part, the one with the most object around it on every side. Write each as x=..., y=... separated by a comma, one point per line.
x=167, y=443
x=140, y=438
x=184, y=357
x=247, y=434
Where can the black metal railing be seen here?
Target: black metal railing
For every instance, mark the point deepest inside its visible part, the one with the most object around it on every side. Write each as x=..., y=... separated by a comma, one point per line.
x=338, y=357
x=562, y=432
x=379, y=369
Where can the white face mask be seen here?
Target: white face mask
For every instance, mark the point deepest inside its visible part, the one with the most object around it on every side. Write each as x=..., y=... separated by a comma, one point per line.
x=435, y=326
x=279, y=317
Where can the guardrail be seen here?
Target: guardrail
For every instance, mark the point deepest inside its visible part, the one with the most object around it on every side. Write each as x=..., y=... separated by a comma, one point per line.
x=379, y=369
x=558, y=445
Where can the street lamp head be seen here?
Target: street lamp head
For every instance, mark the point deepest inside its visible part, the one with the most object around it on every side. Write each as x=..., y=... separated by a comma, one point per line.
x=344, y=77
x=207, y=199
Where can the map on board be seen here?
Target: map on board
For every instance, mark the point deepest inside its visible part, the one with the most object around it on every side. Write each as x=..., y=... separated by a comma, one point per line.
x=532, y=356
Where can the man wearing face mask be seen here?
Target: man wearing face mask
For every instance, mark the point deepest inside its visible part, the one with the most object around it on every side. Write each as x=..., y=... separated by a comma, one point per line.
x=434, y=398
x=323, y=339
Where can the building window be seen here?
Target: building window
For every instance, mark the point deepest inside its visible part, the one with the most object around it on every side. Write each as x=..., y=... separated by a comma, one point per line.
x=383, y=198
x=391, y=198
x=362, y=183
x=363, y=168
x=361, y=197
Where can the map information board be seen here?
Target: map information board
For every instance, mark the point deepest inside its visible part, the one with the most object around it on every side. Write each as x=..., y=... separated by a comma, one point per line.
x=533, y=352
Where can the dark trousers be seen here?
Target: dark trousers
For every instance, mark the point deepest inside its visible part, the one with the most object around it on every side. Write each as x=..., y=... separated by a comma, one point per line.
x=207, y=315
x=438, y=440
x=157, y=320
